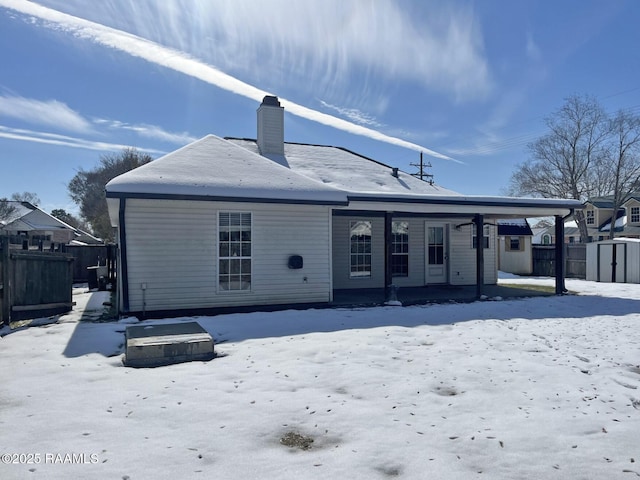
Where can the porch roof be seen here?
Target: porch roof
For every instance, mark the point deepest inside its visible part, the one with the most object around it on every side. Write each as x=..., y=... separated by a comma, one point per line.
x=466, y=206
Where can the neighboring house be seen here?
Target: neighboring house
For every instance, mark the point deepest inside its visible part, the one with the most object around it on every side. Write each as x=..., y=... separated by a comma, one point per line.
x=84, y=238
x=631, y=227
x=599, y=215
x=548, y=235
x=514, y=246
x=26, y=224
x=240, y=222
x=541, y=236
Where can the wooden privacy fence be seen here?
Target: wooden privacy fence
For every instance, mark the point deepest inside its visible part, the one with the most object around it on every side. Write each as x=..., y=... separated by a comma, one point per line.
x=575, y=257
x=90, y=256
x=34, y=284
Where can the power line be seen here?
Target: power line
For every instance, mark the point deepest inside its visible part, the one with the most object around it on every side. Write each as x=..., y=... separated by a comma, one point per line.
x=422, y=175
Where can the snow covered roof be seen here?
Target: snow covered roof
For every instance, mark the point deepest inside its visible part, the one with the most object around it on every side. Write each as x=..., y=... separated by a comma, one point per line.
x=231, y=169
x=366, y=180
x=214, y=167
x=347, y=170
x=601, y=202
x=621, y=221
x=514, y=226
x=26, y=217
x=17, y=210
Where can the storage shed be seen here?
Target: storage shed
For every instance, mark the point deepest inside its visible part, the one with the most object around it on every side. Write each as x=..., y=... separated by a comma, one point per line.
x=514, y=246
x=614, y=261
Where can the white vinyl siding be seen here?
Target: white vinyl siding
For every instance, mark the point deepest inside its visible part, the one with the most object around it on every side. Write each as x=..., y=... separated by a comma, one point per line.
x=172, y=250
x=462, y=257
x=416, y=254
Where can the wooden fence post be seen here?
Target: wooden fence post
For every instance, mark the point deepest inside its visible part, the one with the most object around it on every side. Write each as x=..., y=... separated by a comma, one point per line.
x=5, y=284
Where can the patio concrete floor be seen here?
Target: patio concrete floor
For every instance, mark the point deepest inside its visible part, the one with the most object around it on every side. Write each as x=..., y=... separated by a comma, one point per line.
x=430, y=294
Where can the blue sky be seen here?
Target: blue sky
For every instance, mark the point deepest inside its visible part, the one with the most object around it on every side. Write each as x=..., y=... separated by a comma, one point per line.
x=469, y=83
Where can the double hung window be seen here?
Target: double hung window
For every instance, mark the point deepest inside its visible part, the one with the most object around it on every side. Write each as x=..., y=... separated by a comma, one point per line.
x=400, y=249
x=234, y=251
x=360, y=248
x=485, y=236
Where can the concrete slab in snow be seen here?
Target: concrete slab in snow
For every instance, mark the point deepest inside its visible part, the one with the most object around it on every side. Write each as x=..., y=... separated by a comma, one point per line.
x=156, y=345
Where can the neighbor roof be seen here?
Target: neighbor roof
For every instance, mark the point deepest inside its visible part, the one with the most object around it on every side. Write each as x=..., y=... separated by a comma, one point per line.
x=27, y=217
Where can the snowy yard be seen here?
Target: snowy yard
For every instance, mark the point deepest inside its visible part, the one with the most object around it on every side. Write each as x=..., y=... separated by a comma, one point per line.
x=544, y=388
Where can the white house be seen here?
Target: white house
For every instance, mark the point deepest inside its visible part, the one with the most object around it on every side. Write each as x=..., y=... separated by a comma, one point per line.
x=26, y=223
x=239, y=222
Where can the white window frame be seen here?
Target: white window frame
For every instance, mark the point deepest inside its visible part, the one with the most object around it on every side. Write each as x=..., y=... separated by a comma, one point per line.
x=486, y=234
x=360, y=250
x=590, y=216
x=635, y=215
x=235, y=251
x=400, y=245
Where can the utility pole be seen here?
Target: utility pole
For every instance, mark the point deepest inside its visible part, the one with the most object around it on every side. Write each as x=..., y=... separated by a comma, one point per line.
x=426, y=177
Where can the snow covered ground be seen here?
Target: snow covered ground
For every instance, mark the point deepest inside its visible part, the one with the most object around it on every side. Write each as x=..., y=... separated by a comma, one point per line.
x=540, y=388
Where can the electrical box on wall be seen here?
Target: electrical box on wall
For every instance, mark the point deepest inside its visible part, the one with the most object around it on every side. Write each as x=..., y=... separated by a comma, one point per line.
x=295, y=262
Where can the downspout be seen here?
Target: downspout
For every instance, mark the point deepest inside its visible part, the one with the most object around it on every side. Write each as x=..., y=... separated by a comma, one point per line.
x=388, y=253
x=124, y=273
x=479, y=221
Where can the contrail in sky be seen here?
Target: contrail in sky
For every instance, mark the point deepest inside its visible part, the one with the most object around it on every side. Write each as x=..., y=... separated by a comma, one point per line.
x=184, y=63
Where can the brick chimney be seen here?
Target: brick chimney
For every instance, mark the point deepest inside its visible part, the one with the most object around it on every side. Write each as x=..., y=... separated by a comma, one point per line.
x=271, y=126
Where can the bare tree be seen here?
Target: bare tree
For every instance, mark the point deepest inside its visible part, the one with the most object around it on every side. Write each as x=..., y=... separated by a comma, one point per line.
x=86, y=188
x=6, y=209
x=30, y=197
x=565, y=162
x=621, y=168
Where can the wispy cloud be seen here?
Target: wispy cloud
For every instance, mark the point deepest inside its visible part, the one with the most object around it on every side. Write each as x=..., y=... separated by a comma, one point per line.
x=50, y=113
x=56, y=114
x=532, y=49
x=186, y=64
x=66, y=141
x=487, y=143
x=324, y=43
x=353, y=114
x=148, y=131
